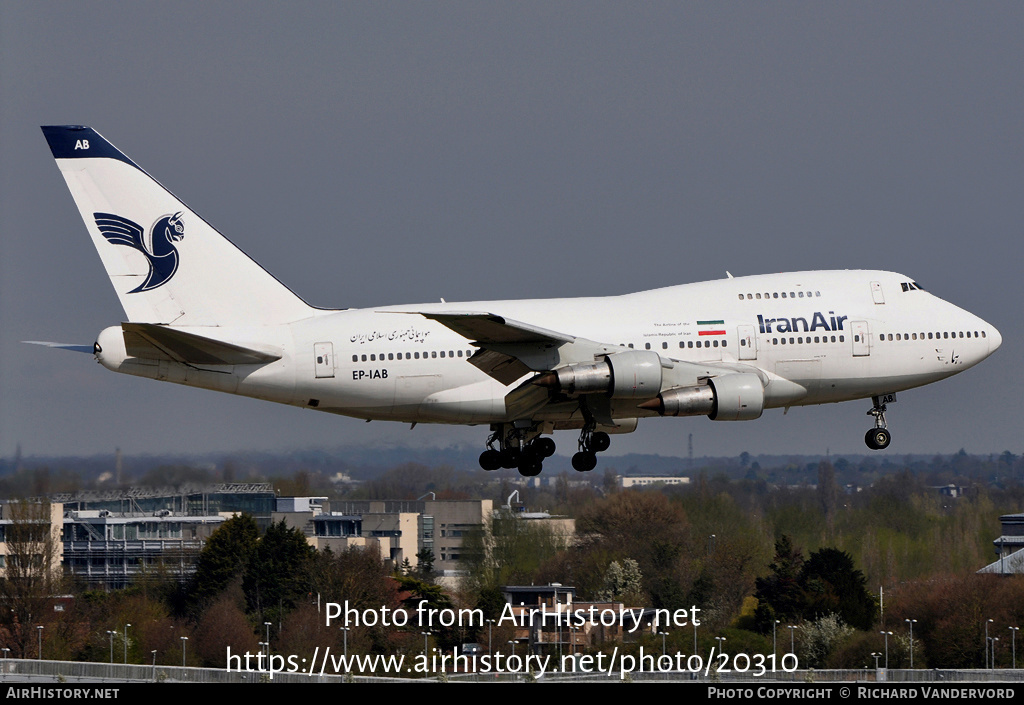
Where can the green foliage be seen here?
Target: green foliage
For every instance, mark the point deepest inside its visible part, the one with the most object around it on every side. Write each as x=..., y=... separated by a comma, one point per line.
x=224, y=557
x=277, y=575
x=817, y=639
x=832, y=585
x=780, y=593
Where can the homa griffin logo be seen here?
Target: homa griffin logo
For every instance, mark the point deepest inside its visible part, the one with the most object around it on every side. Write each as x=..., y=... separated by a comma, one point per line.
x=798, y=325
x=158, y=248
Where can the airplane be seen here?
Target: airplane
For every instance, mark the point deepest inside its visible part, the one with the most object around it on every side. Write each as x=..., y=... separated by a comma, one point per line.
x=201, y=313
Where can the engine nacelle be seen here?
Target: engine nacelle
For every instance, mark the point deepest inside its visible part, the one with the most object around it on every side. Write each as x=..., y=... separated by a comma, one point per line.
x=732, y=397
x=634, y=374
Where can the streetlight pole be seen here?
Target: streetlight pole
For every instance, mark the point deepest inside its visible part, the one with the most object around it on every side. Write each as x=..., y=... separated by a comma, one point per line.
x=775, y=644
x=1013, y=642
x=40, y=631
x=792, y=646
x=886, y=635
x=154, y=664
x=126, y=642
x=911, y=622
x=876, y=655
x=994, y=640
x=267, y=625
x=184, y=639
x=426, y=635
x=663, y=635
x=988, y=622
x=111, y=635
x=490, y=634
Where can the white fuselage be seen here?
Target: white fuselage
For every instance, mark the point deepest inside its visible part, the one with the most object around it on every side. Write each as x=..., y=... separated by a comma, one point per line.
x=814, y=337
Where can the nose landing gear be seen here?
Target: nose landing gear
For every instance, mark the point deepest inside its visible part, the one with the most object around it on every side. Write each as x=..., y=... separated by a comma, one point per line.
x=878, y=438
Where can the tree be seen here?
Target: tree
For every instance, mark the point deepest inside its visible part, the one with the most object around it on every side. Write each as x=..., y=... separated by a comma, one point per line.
x=832, y=584
x=622, y=582
x=278, y=573
x=224, y=558
x=781, y=591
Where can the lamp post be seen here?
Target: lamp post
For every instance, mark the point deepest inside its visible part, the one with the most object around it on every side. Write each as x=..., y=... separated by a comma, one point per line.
x=876, y=655
x=267, y=625
x=987, y=622
x=663, y=635
x=994, y=640
x=490, y=634
x=126, y=642
x=426, y=635
x=1013, y=642
x=720, y=639
x=886, y=635
x=775, y=643
x=154, y=664
x=695, y=637
x=792, y=646
x=184, y=639
x=111, y=635
x=344, y=632
x=911, y=622
x=39, y=630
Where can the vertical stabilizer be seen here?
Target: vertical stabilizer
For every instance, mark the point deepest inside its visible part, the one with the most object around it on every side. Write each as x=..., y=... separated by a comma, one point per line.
x=166, y=263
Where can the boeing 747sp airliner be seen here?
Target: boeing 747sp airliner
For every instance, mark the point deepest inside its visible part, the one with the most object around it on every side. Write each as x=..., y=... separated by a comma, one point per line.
x=201, y=313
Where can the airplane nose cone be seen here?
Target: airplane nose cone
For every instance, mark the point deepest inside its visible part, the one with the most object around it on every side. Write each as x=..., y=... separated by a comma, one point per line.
x=994, y=340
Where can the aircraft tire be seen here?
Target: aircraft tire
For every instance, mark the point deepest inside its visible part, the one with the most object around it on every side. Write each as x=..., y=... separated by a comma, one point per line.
x=600, y=441
x=510, y=458
x=584, y=461
x=545, y=447
x=878, y=439
x=490, y=460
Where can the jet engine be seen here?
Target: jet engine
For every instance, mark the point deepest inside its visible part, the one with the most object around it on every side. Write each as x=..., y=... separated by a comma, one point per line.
x=731, y=397
x=634, y=374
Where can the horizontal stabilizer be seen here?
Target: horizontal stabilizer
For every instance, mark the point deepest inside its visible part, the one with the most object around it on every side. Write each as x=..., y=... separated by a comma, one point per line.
x=90, y=349
x=156, y=342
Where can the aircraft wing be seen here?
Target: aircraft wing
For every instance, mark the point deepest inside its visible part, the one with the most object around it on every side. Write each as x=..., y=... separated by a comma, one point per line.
x=157, y=342
x=509, y=349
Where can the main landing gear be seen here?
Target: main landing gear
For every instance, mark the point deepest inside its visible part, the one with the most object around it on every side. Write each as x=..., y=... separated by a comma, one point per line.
x=525, y=449
x=590, y=444
x=878, y=438
x=521, y=448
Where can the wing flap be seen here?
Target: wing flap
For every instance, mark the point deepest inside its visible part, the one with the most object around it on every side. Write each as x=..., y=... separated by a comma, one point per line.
x=156, y=342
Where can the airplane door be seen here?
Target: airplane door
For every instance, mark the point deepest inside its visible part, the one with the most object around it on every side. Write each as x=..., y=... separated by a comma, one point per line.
x=748, y=342
x=323, y=357
x=876, y=293
x=861, y=344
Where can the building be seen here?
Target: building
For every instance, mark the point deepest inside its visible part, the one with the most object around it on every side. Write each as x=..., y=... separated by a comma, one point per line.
x=647, y=480
x=1009, y=547
x=30, y=536
x=400, y=530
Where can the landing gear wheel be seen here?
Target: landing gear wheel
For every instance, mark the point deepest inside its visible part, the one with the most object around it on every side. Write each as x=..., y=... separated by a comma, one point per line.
x=510, y=458
x=599, y=441
x=584, y=461
x=490, y=460
x=877, y=439
x=530, y=465
x=545, y=447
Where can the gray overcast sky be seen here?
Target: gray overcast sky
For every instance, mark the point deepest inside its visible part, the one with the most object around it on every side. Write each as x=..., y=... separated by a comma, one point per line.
x=379, y=153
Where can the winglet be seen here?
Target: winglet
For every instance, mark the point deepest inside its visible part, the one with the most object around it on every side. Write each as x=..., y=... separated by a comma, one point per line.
x=80, y=142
